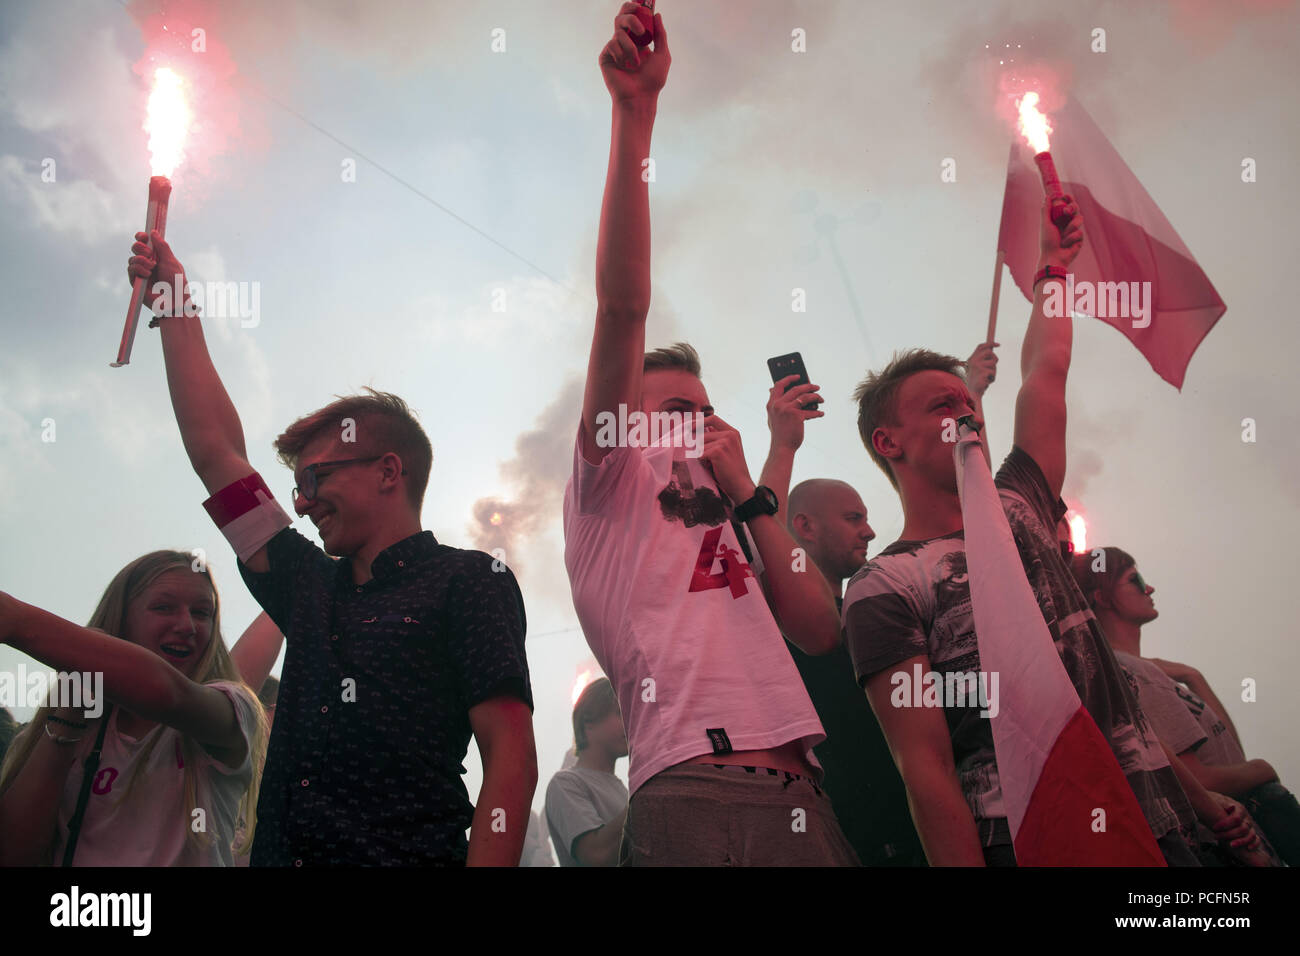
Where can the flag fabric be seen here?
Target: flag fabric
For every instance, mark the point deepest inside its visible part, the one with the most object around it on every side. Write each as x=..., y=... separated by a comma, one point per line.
x=1055, y=767
x=1127, y=240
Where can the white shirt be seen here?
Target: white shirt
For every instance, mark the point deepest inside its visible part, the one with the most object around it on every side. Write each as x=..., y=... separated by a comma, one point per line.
x=674, y=613
x=150, y=828
x=579, y=801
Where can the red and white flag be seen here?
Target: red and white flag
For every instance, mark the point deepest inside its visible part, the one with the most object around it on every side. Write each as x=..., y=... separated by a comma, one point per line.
x=1128, y=240
x=1055, y=767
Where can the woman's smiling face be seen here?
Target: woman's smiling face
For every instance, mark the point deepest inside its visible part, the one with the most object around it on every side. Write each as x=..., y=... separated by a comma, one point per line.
x=174, y=618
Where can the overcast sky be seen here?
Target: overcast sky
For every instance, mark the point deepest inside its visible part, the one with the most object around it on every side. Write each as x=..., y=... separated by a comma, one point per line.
x=479, y=171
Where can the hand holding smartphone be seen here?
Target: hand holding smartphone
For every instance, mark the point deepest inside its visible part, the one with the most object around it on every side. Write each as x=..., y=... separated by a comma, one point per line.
x=792, y=364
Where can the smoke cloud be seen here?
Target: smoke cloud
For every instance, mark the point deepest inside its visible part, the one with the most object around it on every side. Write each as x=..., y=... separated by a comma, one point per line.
x=538, y=472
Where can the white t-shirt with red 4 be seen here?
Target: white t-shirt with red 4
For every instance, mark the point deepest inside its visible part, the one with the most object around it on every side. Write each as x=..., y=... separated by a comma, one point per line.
x=674, y=613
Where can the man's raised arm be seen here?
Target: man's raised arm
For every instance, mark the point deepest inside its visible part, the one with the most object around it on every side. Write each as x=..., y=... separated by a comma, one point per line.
x=1045, y=354
x=209, y=424
x=634, y=78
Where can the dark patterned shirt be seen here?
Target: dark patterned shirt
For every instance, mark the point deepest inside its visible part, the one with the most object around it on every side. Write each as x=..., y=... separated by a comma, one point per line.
x=372, y=720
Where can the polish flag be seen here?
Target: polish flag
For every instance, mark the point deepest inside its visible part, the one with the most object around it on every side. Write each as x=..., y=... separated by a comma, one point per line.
x=1127, y=239
x=1067, y=801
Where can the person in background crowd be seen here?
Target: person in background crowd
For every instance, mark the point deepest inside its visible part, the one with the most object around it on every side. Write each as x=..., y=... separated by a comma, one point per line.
x=586, y=805
x=1180, y=703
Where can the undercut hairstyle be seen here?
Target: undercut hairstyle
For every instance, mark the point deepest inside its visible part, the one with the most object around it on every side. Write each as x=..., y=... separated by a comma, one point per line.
x=596, y=702
x=1094, y=583
x=877, y=394
x=384, y=423
x=679, y=355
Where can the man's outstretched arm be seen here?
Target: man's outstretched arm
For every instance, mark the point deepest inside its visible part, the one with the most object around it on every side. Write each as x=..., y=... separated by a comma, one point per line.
x=210, y=426
x=785, y=421
x=634, y=78
x=1045, y=355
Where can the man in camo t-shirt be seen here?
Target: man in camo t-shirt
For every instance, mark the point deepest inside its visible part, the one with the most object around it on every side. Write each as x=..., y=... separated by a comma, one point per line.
x=908, y=612
x=914, y=599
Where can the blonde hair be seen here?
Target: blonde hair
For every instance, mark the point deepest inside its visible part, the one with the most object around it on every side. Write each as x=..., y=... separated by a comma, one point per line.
x=110, y=616
x=679, y=355
x=877, y=395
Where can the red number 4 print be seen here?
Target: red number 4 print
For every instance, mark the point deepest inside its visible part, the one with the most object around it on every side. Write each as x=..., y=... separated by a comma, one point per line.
x=734, y=569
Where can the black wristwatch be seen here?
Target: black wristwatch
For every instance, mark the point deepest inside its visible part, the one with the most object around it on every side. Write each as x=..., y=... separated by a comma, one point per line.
x=763, y=503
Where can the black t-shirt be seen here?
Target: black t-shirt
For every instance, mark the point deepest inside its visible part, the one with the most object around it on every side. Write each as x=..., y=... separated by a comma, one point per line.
x=372, y=721
x=864, y=786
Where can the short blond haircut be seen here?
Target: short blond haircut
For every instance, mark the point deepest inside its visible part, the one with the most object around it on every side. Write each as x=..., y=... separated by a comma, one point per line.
x=877, y=394
x=679, y=355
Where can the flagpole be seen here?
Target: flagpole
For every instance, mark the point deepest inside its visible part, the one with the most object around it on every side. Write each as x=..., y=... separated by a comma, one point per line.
x=997, y=289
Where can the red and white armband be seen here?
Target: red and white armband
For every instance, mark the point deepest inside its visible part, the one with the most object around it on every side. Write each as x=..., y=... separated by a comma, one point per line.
x=247, y=515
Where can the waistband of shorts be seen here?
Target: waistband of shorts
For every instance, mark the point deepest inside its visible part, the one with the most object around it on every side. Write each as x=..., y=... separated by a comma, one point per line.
x=785, y=775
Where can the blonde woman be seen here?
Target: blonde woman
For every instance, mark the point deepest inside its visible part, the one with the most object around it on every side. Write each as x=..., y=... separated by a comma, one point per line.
x=178, y=739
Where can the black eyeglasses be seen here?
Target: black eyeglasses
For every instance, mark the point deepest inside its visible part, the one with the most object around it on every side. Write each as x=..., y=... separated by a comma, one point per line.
x=1138, y=582
x=311, y=481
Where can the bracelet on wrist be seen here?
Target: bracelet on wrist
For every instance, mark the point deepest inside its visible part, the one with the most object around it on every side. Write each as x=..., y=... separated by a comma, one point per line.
x=1048, y=272
x=57, y=738
x=188, y=308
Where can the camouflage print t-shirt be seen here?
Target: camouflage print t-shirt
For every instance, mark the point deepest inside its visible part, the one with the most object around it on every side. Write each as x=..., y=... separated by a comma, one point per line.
x=914, y=599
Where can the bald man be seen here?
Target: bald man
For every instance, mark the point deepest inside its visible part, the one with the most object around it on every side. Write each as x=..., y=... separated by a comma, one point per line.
x=828, y=520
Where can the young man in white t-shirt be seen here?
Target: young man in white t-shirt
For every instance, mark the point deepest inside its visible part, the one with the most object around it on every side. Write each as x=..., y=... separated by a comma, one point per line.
x=665, y=580
x=586, y=804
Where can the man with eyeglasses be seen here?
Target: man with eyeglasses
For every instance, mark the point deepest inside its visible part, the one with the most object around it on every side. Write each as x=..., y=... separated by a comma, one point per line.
x=399, y=647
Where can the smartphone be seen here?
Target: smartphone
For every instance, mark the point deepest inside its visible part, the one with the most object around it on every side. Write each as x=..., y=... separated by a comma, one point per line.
x=791, y=364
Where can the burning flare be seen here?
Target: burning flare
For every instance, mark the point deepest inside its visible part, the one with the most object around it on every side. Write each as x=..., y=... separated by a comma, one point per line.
x=1078, y=533
x=167, y=121
x=1035, y=128
x=1033, y=123
x=496, y=518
